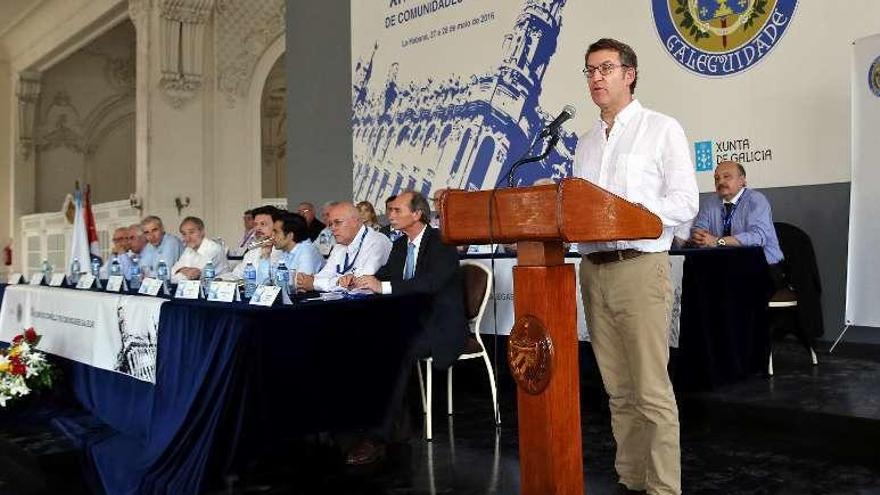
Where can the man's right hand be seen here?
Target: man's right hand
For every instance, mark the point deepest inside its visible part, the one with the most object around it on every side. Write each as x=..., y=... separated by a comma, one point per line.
x=305, y=281
x=345, y=281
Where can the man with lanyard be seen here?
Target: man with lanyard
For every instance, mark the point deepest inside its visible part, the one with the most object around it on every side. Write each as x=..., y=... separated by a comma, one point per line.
x=738, y=216
x=290, y=238
x=644, y=157
x=358, y=251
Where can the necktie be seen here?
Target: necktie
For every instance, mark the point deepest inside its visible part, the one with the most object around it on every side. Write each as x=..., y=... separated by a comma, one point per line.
x=409, y=269
x=728, y=211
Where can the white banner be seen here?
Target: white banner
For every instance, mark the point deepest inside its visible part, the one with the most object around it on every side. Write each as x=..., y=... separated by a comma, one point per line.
x=863, y=274
x=108, y=331
x=503, y=294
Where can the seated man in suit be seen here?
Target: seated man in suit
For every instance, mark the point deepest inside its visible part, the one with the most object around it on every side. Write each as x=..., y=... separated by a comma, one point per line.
x=199, y=251
x=737, y=216
x=292, y=246
x=420, y=263
x=358, y=251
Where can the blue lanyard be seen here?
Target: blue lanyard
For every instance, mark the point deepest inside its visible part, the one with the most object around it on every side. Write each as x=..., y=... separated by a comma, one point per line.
x=727, y=219
x=346, y=266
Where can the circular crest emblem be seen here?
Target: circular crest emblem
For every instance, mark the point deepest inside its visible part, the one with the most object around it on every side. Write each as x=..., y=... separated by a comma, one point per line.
x=718, y=38
x=530, y=354
x=874, y=77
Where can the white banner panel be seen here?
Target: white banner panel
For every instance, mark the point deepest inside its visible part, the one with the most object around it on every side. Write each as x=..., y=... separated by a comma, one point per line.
x=107, y=331
x=448, y=93
x=503, y=295
x=863, y=271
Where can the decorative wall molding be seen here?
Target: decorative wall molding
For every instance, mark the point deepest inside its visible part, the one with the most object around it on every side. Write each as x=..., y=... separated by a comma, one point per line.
x=244, y=29
x=28, y=95
x=182, y=31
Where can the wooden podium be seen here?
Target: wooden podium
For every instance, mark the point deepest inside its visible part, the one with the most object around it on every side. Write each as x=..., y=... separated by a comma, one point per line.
x=543, y=345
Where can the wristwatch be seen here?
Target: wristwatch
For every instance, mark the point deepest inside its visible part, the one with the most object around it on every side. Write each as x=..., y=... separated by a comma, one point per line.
x=720, y=242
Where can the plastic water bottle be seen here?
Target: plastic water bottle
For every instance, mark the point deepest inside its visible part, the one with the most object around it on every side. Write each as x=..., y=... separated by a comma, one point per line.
x=74, y=271
x=115, y=268
x=96, y=267
x=282, y=277
x=208, y=274
x=162, y=271
x=250, y=280
x=47, y=271
x=134, y=281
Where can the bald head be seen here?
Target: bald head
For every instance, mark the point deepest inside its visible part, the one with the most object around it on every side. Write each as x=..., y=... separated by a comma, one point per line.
x=730, y=178
x=345, y=222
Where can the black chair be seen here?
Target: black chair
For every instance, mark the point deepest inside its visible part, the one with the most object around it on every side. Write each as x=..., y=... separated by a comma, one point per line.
x=796, y=308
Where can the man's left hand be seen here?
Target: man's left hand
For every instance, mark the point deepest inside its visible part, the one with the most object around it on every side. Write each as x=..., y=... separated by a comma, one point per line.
x=368, y=282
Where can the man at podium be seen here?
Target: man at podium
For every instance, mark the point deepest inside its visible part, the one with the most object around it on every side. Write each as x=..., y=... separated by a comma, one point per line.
x=644, y=157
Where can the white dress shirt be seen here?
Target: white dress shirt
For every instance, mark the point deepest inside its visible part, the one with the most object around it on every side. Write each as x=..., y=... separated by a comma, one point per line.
x=252, y=256
x=645, y=159
x=417, y=242
x=366, y=254
x=198, y=258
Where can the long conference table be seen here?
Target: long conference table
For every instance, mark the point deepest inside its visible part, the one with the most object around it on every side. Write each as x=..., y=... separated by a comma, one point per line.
x=718, y=329
x=232, y=378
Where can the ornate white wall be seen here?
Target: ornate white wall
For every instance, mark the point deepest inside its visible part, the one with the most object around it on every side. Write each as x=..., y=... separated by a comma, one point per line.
x=200, y=69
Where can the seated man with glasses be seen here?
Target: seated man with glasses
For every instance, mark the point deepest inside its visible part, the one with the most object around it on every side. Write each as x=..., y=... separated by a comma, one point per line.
x=358, y=251
x=119, y=251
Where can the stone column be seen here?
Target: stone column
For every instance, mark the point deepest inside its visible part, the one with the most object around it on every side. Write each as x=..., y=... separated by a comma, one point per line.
x=174, y=116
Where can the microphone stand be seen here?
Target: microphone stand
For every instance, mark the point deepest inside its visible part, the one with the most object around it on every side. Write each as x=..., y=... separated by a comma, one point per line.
x=554, y=138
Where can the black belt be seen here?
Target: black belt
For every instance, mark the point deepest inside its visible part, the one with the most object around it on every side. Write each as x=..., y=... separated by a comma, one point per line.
x=602, y=257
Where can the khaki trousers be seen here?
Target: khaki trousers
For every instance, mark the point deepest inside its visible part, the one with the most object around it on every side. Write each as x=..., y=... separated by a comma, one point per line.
x=627, y=304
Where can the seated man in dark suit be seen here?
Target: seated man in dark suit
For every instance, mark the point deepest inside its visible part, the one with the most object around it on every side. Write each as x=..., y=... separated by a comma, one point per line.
x=420, y=263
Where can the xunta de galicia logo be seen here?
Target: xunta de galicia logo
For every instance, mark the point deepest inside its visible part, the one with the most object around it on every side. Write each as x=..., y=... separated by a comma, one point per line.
x=718, y=38
x=874, y=77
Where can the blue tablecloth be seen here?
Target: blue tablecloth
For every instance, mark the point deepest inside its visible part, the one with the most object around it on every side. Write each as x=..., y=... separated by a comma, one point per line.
x=231, y=378
x=724, y=328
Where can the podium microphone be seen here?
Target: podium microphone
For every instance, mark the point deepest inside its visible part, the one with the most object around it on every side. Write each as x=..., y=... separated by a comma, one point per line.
x=552, y=129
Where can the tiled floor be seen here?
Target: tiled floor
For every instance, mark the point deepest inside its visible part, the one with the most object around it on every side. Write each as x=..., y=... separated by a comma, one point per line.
x=806, y=431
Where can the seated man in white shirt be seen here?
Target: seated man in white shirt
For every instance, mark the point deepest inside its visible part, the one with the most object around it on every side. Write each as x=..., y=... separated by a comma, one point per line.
x=358, y=251
x=264, y=220
x=199, y=251
x=291, y=243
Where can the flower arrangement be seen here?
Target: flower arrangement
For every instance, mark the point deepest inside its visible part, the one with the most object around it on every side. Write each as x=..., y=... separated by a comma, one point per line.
x=22, y=367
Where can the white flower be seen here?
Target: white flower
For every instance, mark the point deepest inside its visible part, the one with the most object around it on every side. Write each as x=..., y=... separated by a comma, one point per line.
x=3, y=399
x=24, y=347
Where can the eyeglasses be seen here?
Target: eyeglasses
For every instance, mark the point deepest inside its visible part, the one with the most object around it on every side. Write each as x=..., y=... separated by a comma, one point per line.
x=337, y=222
x=117, y=239
x=604, y=69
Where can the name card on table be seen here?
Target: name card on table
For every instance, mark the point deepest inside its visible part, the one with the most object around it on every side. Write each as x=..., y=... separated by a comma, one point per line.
x=264, y=295
x=115, y=283
x=188, y=289
x=150, y=286
x=14, y=278
x=86, y=280
x=222, y=291
x=36, y=279
x=56, y=280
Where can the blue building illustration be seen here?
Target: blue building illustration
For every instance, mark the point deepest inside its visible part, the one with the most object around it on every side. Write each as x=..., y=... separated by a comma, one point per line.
x=459, y=132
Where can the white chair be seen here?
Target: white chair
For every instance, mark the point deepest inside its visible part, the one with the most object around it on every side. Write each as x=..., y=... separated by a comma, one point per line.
x=477, y=281
x=785, y=298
